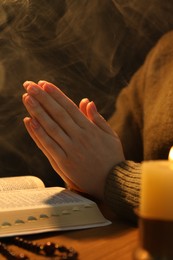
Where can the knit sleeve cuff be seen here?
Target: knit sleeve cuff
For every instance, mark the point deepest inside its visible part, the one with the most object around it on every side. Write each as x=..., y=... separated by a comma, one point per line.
x=122, y=189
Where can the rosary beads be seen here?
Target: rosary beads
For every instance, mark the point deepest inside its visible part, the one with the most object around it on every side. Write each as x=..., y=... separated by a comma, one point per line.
x=9, y=254
x=47, y=249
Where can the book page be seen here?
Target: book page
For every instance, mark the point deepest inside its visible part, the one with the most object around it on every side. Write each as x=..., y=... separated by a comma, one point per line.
x=20, y=183
x=35, y=198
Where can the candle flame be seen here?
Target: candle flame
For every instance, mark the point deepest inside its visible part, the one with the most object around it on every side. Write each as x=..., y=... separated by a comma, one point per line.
x=170, y=157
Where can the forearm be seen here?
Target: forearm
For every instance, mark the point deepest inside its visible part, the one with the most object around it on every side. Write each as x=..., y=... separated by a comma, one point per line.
x=122, y=189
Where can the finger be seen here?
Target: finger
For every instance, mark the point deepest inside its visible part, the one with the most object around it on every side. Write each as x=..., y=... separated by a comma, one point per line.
x=52, y=107
x=27, y=83
x=97, y=119
x=31, y=125
x=65, y=103
x=41, y=138
x=51, y=128
x=83, y=104
x=59, y=106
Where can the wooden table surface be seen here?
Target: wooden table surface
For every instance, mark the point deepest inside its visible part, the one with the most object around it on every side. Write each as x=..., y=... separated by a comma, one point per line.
x=116, y=241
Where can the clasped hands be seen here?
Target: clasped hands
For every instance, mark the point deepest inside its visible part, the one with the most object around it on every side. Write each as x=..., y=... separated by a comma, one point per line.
x=80, y=145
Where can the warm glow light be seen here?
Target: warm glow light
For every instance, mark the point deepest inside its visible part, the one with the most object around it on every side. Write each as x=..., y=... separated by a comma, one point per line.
x=170, y=157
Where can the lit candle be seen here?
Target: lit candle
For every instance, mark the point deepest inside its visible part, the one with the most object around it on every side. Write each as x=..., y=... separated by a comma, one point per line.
x=156, y=211
x=157, y=189
x=170, y=157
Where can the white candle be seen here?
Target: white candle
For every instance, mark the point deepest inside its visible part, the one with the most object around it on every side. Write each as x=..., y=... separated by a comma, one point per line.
x=157, y=190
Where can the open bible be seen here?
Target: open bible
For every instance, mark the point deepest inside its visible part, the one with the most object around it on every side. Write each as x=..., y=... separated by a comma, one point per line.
x=28, y=207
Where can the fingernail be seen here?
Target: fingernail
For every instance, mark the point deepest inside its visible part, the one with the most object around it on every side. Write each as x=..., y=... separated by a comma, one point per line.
x=86, y=100
x=24, y=95
x=32, y=89
x=31, y=101
x=48, y=88
x=26, y=84
x=41, y=82
x=34, y=123
x=94, y=108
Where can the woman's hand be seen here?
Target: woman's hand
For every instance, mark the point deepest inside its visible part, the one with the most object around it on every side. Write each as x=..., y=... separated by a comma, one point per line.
x=80, y=145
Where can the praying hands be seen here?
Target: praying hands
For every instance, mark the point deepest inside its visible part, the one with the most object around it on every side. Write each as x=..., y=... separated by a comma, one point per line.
x=78, y=142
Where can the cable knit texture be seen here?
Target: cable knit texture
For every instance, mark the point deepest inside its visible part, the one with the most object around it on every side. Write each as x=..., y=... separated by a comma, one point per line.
x=123, y=187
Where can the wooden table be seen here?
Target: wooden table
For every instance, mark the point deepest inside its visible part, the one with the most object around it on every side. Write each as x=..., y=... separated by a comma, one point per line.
x=114, y=242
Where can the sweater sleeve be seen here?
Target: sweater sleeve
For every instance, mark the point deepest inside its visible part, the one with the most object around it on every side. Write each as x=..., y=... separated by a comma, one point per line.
x=123, y=188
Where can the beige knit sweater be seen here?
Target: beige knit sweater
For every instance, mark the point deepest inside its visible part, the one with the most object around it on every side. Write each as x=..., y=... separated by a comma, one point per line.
x=144, y=123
